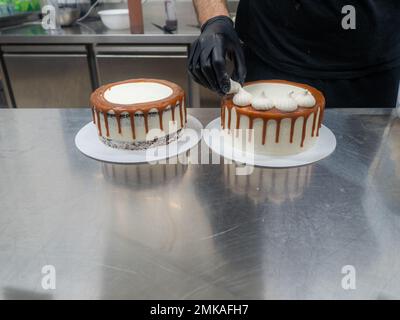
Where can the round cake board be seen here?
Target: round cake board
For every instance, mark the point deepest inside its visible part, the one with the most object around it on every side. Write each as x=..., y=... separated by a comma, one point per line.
x=88, y=142
x=324, y=146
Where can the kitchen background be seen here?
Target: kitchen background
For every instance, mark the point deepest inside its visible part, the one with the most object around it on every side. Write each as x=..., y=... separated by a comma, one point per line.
x=60, y=68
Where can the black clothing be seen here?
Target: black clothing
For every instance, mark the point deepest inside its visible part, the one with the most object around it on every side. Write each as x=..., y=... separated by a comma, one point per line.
x=306, y=37
x=370, y=91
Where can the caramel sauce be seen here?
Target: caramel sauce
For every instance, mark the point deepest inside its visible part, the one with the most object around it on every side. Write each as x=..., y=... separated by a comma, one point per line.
x=161, y=119
x=237, y=124
x=146, y=122
x=173, y=112
x=313, y=124
x=100, y=104
x=278, y=130
x=94, y=120
x=181, y=112
x=276, y=114
x=105, y=116
x=303, y=131
x=251, y=123
x=98, y=121
x=118, y=117
x=321, y=117
x=229, y=118
x=132, y=119
x=264, y=131
x=292, y=124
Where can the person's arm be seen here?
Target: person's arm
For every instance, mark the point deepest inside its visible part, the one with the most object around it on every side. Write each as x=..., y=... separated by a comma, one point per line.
x=207, y=9
x=218, y=39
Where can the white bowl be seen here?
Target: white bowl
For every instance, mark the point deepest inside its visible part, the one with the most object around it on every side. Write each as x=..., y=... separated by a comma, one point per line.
x=116, y=19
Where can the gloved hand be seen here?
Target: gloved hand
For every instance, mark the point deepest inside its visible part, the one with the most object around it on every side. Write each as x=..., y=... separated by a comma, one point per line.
x=207, y=64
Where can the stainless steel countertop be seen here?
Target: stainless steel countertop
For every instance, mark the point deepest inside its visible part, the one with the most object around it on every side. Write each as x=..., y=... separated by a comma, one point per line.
x=90, y=31
x=197, y=231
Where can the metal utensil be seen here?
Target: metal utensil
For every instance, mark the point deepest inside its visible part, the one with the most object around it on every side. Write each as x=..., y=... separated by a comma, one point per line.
x=164, y=28
x=67, y=16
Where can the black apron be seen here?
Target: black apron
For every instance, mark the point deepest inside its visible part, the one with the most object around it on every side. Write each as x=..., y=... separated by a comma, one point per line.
x=304, y=41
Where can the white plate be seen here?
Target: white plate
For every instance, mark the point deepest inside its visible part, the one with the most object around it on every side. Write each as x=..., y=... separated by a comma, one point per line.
x=324, y=146
x=88, y=142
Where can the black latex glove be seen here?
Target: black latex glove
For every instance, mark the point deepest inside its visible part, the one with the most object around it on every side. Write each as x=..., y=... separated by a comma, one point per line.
x=207, y=64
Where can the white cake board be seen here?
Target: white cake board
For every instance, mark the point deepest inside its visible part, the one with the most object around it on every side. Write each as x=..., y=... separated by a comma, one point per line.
x=88, y=142
x=324, y=146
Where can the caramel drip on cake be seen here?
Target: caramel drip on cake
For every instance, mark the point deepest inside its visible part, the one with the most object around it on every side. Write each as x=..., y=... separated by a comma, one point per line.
x=146, y=121
x=313, y=123
x=303, y=132
x=132, y=118
x=278, y=130
x=229, y=118
x=180, y=112
x=237, y=124
x=106, y=123
x=98, y=121
x=173, y=112
x=292, y=124
x=100, y=104
x=321, y=116
x=160, y=114
x=264, y=131
x=251, y=123
x=118, y=117
x=275, y=114
x=94, y=120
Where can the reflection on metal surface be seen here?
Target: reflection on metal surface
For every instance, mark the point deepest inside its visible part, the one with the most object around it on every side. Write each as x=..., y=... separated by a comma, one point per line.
x=149, y=232
x=143, y=176
x=266, y=184
x=380, y=203
x=10, y=293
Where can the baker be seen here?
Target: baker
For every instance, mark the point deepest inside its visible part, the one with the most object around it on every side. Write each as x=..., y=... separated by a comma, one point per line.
x=350, y=50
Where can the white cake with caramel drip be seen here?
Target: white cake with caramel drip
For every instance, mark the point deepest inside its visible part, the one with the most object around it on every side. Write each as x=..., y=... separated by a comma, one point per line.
x=139, y=113
x=273, y=117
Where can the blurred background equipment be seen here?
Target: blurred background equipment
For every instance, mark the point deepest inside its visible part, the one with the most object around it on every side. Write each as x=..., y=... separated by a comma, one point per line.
x=61, y=67
x=13, y=12
x=115, y=19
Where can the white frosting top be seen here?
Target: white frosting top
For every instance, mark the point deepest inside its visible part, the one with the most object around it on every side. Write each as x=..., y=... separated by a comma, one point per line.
x=242, y=98
x=304, y=99
x=285, y=103
x=285, y=97
x=235, y=87
x=262, y=102
x=137, y=92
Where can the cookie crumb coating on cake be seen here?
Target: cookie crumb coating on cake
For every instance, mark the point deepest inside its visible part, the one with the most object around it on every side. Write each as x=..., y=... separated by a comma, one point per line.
x=276, y=132
x=132, y=125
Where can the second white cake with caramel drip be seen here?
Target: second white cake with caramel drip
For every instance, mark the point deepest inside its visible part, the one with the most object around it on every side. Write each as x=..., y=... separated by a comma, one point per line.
x=280, y=118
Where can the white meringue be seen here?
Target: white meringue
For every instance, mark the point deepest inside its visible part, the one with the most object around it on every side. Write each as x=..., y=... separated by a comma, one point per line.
x=286, y=103
x=242, y=98
x=235, y=87
x=304, y=99
x=262, y=102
